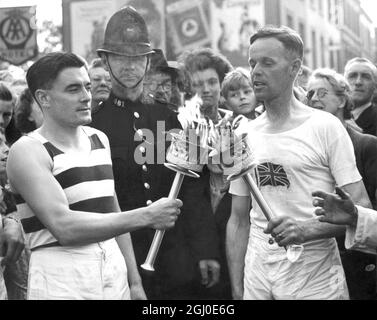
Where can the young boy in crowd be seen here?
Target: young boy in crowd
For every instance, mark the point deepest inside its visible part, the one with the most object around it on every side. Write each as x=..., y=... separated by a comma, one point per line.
x=237, y=91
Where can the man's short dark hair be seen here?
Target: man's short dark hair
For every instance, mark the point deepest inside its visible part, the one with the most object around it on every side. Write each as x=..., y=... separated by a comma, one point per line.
x=44, y=71
x=290, y=39
x=205, y=58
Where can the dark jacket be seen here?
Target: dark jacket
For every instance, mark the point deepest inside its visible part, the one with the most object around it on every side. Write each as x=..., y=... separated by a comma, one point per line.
x=194, y=237
x=359, y=267
x=368, y=120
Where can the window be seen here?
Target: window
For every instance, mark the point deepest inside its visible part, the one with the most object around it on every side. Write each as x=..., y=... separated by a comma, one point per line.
x=320, y=7
x=290, y=22
x=323, y=50
x=314, y=49
x=301, y=31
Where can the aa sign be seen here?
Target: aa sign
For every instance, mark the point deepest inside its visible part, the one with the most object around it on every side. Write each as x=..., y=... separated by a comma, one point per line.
x=18, y=34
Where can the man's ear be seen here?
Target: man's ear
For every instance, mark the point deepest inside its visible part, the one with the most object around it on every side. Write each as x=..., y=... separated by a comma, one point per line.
x=42, y=98
x=296, y=67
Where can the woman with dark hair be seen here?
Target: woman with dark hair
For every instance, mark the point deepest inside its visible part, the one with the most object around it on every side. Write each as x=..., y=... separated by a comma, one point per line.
x=207, y=70
x=15, y=273
x=7, y=125
x=330, y=92
x=28, y=115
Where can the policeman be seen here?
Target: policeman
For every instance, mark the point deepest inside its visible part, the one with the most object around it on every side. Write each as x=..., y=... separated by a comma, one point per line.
x=187, y=259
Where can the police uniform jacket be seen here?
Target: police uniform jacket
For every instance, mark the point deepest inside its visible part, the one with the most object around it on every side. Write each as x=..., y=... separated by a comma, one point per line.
x=194, y=236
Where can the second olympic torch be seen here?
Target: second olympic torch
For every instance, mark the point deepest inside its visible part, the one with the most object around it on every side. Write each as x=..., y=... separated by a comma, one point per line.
x=293, y=251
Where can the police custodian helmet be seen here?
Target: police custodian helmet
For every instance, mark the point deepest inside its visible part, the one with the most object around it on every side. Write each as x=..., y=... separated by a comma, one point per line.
x=126, y=34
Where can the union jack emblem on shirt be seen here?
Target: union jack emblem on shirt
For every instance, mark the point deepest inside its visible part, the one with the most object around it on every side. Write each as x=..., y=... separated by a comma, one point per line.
x=270, y=174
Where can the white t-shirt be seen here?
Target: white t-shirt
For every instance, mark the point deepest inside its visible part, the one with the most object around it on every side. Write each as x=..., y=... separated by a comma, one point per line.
x=317, y=155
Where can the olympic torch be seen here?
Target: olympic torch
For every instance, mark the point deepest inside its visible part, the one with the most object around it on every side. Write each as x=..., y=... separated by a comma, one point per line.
x=173, y=194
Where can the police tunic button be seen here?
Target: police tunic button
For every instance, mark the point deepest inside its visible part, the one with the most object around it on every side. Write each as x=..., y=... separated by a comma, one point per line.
x=142, y=149
x=144, y=167
x=149, y=202
x=137, y=115
x=147, y=186
x=140, y=132
x=370, y=267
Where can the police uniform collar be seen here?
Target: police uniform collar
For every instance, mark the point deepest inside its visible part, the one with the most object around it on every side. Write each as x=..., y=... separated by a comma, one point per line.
x=122, y=103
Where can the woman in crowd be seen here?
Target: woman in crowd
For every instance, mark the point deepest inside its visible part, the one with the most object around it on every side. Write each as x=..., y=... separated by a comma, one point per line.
x=207, y=70
x=329, y=91
x=28, y=115
x=15, y=272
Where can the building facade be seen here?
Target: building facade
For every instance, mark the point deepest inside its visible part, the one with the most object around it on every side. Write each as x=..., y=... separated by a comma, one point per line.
x=333, y=30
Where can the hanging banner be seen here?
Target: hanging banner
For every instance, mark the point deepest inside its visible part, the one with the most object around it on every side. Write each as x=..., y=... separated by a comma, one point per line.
x=187, y=24
x=233, y=22
x=88, y=23
x=18, y=34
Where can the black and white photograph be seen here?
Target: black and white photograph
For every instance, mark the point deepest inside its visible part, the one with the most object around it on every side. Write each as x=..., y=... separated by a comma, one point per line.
x=188, y=154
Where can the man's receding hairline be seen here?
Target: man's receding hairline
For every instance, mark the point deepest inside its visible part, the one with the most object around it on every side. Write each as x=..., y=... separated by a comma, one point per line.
x=290, y=53
x=368, y=63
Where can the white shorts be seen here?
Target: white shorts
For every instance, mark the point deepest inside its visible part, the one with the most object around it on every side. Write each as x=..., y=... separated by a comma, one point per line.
x=93, y=272
x=3, y=289
x=317, y=275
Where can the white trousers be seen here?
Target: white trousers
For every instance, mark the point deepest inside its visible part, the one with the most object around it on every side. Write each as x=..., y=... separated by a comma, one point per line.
x=3, y=289
x=93, y=272
x=317, y=275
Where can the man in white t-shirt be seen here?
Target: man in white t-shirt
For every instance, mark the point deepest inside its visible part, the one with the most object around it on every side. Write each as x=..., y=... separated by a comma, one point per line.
x=299, y=150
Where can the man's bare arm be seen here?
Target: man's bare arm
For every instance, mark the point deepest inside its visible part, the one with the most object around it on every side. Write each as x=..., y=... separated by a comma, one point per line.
x=237, y=235
x=34, y=181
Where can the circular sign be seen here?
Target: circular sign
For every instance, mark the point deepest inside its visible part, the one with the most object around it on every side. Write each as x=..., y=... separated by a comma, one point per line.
x=190, y=27
x=15, y=30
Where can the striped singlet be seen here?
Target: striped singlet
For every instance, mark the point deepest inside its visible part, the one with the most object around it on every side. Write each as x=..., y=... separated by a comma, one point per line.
x=87, y=181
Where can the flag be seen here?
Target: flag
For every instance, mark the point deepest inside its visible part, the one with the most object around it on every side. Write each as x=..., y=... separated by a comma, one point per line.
x=270, y=174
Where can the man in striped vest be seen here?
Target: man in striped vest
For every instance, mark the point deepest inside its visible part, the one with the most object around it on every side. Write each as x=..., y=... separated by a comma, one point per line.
x=81, y=248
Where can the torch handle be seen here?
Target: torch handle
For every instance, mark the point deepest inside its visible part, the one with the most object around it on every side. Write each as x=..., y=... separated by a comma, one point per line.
x=293, y=251
x=258, y=196
x=159, y=234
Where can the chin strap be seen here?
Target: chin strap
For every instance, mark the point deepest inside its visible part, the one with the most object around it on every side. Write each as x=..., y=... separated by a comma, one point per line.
x=119, y=82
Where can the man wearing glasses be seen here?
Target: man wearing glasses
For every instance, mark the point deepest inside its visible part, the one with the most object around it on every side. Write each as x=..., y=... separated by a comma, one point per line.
x=160, y=79
x=362, y=76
